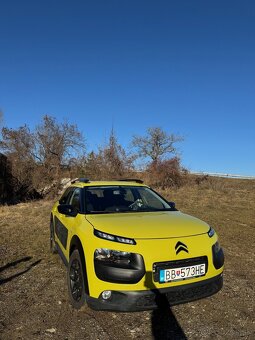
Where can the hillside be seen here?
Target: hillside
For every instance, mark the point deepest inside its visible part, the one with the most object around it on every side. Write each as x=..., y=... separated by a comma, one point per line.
x=34, y=301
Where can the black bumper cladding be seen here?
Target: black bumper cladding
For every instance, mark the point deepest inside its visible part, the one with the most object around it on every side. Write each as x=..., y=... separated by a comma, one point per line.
x=131, y=301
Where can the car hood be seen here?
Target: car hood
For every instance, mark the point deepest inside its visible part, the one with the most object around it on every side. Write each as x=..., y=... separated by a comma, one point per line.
x=149, y=225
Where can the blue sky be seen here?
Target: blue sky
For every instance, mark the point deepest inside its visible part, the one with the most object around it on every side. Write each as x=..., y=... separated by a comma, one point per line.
x=186, y=66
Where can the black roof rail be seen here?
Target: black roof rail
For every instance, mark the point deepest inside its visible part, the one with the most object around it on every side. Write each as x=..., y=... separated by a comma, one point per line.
x=137, y=180
x=83, y=180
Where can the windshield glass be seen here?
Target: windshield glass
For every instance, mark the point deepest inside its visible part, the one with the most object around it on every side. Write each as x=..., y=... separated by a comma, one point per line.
x=109, y=199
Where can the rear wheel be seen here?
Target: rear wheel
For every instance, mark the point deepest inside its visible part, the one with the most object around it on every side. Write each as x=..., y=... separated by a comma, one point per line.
x=53, y=247
x=75, y=280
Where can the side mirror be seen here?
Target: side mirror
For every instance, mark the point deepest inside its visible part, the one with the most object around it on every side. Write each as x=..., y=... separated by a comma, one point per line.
x=172, y=205
x=67, y=209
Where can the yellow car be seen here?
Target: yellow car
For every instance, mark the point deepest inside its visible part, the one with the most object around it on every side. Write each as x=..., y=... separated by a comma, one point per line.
x=127, y=249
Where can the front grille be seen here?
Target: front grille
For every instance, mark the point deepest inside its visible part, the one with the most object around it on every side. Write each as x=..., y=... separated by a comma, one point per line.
x=157, y=266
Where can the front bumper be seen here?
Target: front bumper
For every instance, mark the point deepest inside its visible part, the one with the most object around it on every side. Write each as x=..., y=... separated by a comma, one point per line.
x=131, y=301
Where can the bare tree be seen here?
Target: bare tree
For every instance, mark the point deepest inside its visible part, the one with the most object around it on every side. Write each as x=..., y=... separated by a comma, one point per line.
x=57, y=143
x=157, y=144
x=18, y=145
x=111, y=161
x=38, y=157
x=115, y=157
x=19, y=142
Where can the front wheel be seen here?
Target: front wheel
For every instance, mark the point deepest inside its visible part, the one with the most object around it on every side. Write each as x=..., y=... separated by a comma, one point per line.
x=75, y=280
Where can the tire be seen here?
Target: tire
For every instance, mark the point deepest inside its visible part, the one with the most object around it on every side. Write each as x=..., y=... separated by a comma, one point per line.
x=53, y=248
x=75, y=280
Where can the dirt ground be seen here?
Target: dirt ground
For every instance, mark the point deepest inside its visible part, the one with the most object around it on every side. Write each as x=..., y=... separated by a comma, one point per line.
x=33, y=289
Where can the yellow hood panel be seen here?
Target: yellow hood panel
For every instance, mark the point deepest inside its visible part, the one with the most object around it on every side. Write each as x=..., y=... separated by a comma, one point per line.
x=148, y=225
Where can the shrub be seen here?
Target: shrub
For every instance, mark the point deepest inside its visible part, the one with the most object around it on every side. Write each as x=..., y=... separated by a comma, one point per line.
x=165, y=173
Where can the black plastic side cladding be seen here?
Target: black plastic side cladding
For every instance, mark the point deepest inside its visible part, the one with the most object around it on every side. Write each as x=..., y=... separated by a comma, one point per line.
x=61, y=232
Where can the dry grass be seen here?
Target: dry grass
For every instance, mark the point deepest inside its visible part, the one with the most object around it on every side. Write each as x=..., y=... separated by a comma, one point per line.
x=34, y=297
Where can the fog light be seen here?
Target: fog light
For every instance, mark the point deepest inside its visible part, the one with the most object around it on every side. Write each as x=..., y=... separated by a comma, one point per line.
x=106, y=294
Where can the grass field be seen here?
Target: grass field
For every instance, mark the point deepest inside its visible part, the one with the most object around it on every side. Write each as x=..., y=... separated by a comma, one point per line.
x=33, y=292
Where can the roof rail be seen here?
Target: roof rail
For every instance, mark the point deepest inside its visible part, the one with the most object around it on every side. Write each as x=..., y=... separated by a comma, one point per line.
x=83, y=180
x=137, y=180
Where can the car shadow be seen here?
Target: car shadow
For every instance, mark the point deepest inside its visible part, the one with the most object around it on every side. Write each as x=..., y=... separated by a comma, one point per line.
x=164, y=324
x=14, y=264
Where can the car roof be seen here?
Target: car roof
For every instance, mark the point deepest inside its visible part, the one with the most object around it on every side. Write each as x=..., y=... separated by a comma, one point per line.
x=84, y=182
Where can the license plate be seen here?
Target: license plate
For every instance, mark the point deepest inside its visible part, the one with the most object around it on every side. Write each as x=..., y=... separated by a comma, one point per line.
x=175, y=274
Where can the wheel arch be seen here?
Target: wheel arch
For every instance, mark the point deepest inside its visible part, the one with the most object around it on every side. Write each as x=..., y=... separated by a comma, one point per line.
x=76, y=244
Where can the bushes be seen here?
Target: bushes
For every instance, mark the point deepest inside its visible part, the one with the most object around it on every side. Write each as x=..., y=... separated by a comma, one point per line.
x=165, y=173
x=40, y=158
x=111, y=161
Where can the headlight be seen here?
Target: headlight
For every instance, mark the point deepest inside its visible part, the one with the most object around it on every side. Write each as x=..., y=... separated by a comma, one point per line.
x=113, y=238
x=118, y=266
x=211, y=232
x=112, y=256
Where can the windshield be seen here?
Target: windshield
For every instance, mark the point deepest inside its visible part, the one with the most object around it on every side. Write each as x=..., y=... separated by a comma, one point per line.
x=117, y=199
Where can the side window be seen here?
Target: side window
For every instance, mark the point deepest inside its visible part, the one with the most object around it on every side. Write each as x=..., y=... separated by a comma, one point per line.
x=66, y=195
x=75, y=199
